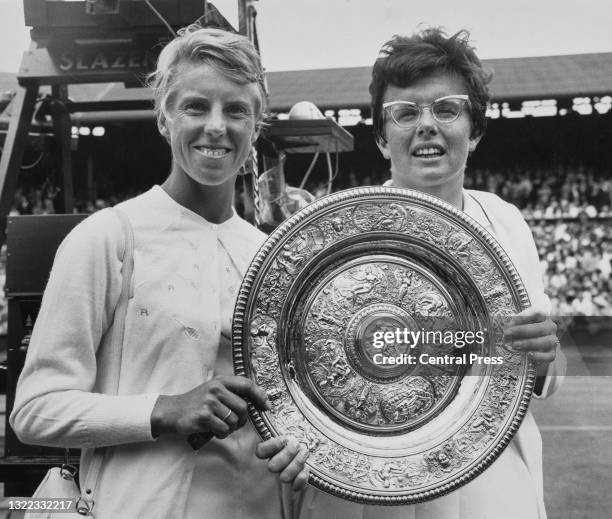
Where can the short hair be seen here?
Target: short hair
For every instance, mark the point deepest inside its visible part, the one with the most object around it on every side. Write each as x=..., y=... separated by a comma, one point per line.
x=232, y=55
x=405, y=59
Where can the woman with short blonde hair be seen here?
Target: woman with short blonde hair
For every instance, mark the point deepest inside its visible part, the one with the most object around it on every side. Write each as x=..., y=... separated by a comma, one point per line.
x=190, y=252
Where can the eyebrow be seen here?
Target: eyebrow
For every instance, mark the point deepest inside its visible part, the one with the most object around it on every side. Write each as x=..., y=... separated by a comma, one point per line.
x=190, y=97
x=460, y=96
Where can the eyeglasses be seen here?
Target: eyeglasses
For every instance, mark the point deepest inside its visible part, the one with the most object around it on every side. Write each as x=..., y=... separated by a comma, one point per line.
x=445, y=110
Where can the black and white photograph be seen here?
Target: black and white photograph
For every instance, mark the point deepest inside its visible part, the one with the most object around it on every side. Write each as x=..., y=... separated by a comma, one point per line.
x=268, y=259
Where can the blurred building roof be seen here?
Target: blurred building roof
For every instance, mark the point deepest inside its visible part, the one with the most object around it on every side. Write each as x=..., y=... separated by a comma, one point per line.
x=515, y=79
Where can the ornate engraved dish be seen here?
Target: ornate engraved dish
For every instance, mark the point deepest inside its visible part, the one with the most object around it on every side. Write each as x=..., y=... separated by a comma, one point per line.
x=314, y=304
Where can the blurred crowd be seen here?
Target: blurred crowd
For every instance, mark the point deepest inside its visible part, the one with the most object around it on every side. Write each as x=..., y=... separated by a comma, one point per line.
x=576, y=261
x=568, y=210
x=44, y=200
x=548, y=193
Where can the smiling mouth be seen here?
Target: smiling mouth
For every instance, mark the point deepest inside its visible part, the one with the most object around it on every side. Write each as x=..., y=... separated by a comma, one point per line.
x=428, y=152
x=212, y=153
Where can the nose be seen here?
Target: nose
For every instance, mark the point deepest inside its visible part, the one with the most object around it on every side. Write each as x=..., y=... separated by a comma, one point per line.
x=215, y=122
x=427, y=124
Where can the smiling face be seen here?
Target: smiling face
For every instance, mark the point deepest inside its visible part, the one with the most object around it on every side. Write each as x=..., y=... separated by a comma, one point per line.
x=210, y=122
x=430, y=156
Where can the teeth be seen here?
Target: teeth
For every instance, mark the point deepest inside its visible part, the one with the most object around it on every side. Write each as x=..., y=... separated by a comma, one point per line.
x=212, y=152
x=428, y=151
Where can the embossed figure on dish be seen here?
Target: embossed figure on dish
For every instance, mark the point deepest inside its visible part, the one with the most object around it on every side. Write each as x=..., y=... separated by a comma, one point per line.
x=415, y=396
x=356, y=285
x=397, y=474
x=353, y=466
x=443, y=460
x=375, y=217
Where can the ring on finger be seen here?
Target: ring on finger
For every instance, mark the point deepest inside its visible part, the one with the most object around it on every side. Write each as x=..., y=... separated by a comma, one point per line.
x=227, y=416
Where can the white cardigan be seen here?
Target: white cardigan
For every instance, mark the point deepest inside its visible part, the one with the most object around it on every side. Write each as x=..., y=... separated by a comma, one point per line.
x=186, y=275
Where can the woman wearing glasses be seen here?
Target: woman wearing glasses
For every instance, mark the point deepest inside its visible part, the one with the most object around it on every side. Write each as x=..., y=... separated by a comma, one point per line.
x=429, y=95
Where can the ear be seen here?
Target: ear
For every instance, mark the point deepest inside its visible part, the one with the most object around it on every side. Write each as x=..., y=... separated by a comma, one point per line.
x=473, y=143
x=162, y=126
x=383, y=147
x=256, y=134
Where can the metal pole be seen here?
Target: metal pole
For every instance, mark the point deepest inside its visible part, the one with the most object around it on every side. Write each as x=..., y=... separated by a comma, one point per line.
x=62, y=127
x=242, y=18
x=14, y=147
x=246, y=21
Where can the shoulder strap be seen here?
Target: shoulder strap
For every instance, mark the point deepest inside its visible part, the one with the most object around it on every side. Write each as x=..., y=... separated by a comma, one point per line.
x=86, y=501
x=127, y=291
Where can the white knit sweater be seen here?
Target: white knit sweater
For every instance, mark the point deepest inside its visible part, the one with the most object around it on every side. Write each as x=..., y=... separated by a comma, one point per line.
x=187, y=272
